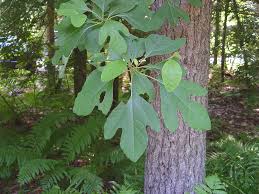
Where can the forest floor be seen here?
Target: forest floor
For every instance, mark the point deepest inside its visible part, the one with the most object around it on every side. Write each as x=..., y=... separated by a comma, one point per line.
x=234, y=112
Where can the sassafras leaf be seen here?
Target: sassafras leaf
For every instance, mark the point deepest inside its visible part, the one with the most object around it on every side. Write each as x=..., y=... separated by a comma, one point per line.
x=113, y=29
x=132, y=118
x=91, y=93
x=113, y=69
x=161, y=45
x=194, y=114
x=171, y=75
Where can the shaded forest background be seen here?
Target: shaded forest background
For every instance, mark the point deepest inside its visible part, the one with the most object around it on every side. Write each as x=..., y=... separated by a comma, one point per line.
x=44, y=146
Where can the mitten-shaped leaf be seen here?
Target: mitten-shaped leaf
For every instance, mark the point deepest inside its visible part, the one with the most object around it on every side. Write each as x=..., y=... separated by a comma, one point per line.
x=171, y=12
x=161, y=45
x=75, y=10
x=132, y=118
x=194, y=114
x=90, y=96
x=113, y=29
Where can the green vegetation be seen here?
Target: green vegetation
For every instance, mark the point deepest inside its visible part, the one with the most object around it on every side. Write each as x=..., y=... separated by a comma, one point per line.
x=80, y=82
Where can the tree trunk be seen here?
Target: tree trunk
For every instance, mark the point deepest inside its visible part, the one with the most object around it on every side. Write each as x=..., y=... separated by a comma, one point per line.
x=50, y=42
x=116, y=90
x=79, y=70
x=175, y=162
x=217, y=32
x=241, y=38
x=224, y=36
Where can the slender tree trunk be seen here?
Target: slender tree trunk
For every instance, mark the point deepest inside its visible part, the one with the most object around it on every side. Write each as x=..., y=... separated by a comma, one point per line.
x=50, y=42
x=116, y=90
x=217, y=32
x=79, y=70
x=241, y=38
x=175, y=162
x=224, y=36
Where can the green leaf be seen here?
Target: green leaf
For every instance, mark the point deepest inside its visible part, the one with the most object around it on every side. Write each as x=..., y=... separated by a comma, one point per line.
x=142, y=18
x=67, y=9
x=132, y=118
x=143, y=85
x=72, y=7
x=122, y=6
x=75, y=10
x=113, y=69
x=89, y=41
x=213, y=185
x=78, y=20
x=113, y=29
x=136, y=48
x=161, y=45
x=171, y=12
x=172, y=75
x=103, y=4
x=196, y=3
x=68, y=36
x=194, y=114
x=91, y=93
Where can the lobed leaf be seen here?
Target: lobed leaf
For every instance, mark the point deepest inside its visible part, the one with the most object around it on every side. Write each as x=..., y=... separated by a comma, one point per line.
x=91, y=93
x=194, y=114
x=113, y=69
x=161, y=45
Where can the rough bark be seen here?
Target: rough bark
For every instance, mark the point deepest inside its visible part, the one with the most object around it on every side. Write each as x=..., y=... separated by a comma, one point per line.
x=217, y=32
x=175, y=162
x=224, y=36
x=79, y=70
x=50, y=43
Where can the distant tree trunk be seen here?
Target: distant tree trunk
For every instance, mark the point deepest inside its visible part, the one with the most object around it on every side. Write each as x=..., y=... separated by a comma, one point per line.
x=224, y=36
x=79, y=70
x=50, y=43
x=240, y=35
x=217, y=32
x=116, y=89
x=175, y=162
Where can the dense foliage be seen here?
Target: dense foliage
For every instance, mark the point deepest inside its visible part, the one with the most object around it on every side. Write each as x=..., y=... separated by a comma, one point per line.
x=46, y=148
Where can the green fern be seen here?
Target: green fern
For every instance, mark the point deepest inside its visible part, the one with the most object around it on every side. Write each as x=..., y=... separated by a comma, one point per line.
x=81, y=137
x=213, y=185
x=57, y=190
x=123, y=189
x=33, y=168
x=11, y=154
x=85, y=181
x=5, y=172
x=42, y=131
x=237, y=164
x=53, y=177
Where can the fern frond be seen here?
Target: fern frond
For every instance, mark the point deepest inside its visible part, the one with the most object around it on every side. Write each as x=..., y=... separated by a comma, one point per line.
x=42, y=132
x=5, y=172
x=212, y=185
x=122, y=189
x=108, y=154
x=81, y=137
x=11, y=154
x=57, y=190
x=85, y=181
x=53, y=177
x=31, y=169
